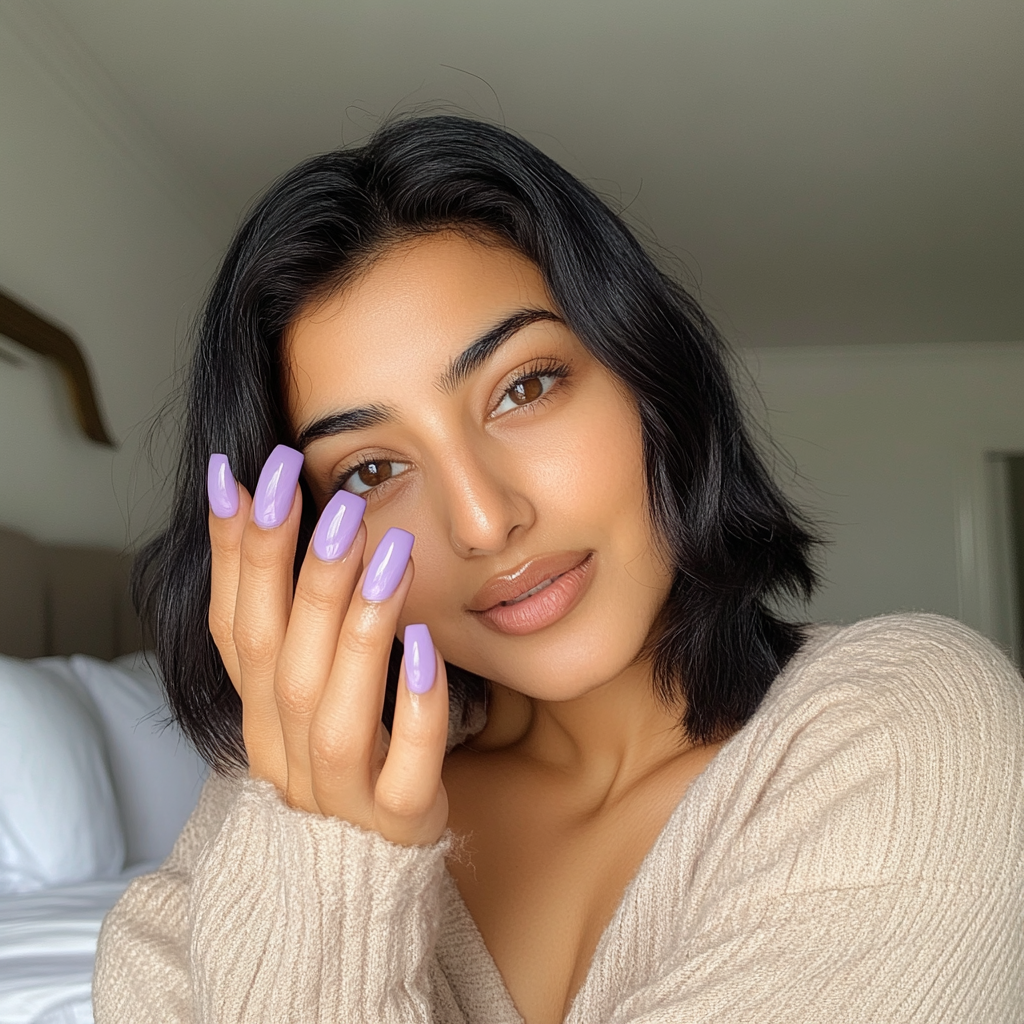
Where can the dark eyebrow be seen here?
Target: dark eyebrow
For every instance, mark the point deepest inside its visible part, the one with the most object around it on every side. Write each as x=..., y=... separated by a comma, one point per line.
x=485, y=346
x=464, y=364
x=340, y=422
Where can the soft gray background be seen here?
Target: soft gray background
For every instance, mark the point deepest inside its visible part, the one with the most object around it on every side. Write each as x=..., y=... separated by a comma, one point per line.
x=840, y=181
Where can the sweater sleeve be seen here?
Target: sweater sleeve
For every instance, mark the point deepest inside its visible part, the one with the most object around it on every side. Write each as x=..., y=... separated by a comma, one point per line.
x=869, y=862
x=264, y=913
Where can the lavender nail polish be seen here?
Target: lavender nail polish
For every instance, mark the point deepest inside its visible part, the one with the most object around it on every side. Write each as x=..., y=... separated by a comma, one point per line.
x=385, y=570
x=337, y=527
x=420, y=660
x=275, y=490
x=221, y=487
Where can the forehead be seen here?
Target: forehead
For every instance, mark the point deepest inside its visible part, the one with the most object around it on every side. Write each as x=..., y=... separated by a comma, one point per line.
x=410, y=312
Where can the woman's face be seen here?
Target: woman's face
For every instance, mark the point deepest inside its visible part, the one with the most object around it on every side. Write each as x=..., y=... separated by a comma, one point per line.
x=441, y=385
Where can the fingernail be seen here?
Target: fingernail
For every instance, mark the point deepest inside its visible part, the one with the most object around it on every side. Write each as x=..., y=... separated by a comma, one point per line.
x=388, y=564
x=276, y=488
x=420, y=660
x=338, y=524
x=221, y=487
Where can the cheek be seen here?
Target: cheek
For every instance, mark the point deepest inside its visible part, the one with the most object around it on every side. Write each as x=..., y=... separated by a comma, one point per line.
x=610, y=496
x=597, y=475
x=433, y=597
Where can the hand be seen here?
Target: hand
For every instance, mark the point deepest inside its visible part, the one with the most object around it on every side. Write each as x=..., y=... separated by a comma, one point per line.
x=310, y=664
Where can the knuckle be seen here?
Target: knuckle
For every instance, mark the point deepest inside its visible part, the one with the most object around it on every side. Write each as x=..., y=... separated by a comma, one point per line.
x=264, y=551
x=319, y=600
x=223, y=542
x=221, y=629
x=294, y=694
x=359, y=641
x=401, y=802
x=420, y=741
x=261, y=559
x=255, y=645
x=331, y=750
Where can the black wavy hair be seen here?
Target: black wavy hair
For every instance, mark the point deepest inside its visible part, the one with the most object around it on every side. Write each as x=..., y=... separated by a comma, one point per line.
x=736, y=541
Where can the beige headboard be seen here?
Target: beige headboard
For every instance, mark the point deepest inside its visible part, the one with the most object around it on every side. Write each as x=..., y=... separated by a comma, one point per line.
x=57, y=599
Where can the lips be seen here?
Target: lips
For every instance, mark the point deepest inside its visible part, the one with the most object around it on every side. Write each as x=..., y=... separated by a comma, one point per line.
x=524, y=580
x=548, y=601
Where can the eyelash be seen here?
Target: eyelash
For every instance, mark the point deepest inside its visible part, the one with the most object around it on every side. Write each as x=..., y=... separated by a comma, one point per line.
x=541, y=368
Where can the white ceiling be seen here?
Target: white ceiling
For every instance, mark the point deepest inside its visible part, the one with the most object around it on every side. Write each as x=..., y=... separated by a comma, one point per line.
x=827, y=170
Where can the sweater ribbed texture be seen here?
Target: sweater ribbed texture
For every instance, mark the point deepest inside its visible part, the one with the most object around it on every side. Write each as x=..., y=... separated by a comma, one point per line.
x=854, y=853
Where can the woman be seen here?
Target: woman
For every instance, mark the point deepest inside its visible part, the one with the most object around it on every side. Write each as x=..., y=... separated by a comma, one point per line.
x=619, y=788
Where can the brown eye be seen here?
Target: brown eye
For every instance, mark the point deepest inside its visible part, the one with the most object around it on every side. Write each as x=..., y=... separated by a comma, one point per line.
x=529, y=389
x=526, y=391
x=373, y=473
x=366, y=477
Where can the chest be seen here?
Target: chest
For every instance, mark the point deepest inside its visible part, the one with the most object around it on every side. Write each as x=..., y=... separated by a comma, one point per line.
x=542, y=880
x=541, y=903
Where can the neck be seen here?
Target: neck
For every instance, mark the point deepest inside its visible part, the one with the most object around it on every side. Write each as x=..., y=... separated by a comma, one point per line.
x=609, y=738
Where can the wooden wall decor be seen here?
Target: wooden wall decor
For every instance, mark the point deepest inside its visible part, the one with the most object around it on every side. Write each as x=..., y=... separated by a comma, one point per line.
x=46, y=339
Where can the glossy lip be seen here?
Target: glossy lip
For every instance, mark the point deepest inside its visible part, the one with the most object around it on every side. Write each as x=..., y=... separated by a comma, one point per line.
x=548, y=605
x=509, y=585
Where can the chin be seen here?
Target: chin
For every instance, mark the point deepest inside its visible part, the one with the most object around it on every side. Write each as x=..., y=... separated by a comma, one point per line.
x=563, y=667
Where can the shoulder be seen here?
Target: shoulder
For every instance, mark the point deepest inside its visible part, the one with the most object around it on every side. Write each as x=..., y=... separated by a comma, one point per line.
x=875, y=801
x=219, y=794
x=912, y=670
x=932, y=691
x=894, y=748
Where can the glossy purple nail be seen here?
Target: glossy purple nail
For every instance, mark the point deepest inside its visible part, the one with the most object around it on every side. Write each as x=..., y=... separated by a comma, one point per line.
x=420, y=660
x=275, y=490
x=221, y=487
x=385, y=570
x=338, y=524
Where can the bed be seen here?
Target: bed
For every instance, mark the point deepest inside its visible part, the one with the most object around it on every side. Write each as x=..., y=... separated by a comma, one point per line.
x=94, y=783
x=47, y=947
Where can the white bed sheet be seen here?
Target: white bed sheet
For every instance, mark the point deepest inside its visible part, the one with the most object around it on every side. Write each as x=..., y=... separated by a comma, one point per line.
x=47, y=950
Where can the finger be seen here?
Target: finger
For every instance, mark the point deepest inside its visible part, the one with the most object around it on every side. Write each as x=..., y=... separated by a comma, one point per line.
x=322, y=595
x=265, y=572
x=345, y=734
x=410, y=801
x=229, y=511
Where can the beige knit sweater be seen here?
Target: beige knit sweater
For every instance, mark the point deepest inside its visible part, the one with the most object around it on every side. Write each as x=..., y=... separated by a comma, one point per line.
x=854, y=854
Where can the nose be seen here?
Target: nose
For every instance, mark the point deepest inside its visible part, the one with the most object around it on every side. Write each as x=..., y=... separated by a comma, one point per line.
x=482, y=503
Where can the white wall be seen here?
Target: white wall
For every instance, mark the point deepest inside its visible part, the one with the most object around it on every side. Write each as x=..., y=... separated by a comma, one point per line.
x=98, y=233
x=94, y=239
x=889, y=443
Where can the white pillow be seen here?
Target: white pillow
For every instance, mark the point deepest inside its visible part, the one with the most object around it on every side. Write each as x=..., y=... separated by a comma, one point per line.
x=59, y=820
x=156, y=772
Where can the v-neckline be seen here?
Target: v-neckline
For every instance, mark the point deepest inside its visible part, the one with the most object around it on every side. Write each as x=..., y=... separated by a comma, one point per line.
x=818, y=635
x=487, y=962
x=470, y=939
